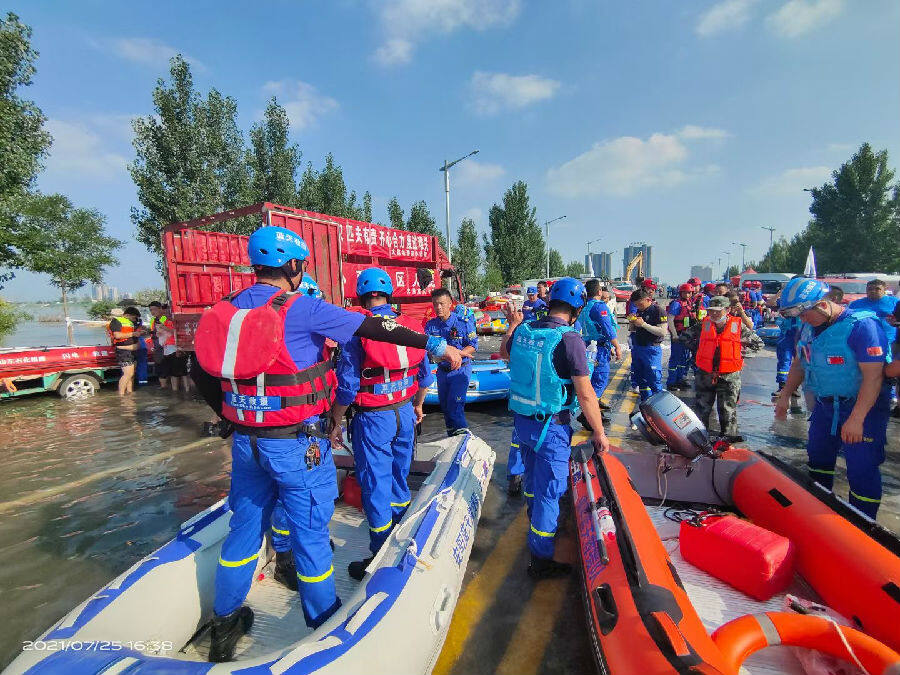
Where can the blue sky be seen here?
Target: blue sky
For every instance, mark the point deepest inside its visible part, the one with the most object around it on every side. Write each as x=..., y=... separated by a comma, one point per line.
x=687, y=125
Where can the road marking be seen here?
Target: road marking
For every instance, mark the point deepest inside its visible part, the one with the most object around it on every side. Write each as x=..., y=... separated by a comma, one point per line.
x=480, y=592
x=41, y=495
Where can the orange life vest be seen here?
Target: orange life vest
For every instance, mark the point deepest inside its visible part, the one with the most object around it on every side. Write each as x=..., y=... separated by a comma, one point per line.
x=728, y=343
x=388, y=373
x=126, y=327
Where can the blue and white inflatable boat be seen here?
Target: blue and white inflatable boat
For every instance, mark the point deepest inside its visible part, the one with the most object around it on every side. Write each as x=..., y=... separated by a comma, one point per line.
x=490, y=382
x=154, y=617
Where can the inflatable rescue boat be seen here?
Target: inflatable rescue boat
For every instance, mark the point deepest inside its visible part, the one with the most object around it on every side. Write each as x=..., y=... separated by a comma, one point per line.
x=490, y=382
x=745, y=520
x=154, y=617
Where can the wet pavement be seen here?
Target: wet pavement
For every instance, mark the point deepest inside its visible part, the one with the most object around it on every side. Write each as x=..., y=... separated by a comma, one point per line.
x=90, y=487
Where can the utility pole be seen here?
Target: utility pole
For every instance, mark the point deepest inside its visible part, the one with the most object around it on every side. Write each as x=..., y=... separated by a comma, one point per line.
x=743, y=254
x=547, y=237
x=446, y=170
x=771, y=235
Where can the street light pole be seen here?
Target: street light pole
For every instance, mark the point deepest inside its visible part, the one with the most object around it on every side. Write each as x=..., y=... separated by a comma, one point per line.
x=727, y=263
x=743, y=252
x=547, y=236
x=446, y=170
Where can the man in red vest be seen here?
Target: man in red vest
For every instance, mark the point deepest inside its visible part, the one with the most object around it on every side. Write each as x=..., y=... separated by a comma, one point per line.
x=717, y=343
x=384, y=385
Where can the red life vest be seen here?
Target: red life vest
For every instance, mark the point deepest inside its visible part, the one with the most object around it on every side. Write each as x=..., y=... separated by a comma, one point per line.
x=682, y=319
x=728, y=342
x=246, y=350
x=388, y=374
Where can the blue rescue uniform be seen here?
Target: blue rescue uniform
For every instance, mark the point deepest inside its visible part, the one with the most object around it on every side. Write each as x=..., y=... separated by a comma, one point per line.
x=598, y=327
x=277, y=470
x=882, y=308
x=680, y=358
x=530, y=310
x=383, y=443
x=544, y=436
x=646, y=353
x=784, y=348
x=459, y=332
x=831, y=356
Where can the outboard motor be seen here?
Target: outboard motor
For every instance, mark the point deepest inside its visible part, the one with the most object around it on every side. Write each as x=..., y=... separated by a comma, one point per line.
x=664, y=419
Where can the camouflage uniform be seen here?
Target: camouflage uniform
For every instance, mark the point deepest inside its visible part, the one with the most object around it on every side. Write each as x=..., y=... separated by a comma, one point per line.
x=723, y=389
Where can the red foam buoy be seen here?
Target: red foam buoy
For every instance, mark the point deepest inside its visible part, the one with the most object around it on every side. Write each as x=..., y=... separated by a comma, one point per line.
x=351, y=494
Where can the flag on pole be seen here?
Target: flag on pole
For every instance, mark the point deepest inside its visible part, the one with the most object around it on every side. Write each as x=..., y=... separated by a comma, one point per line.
x=810, y=269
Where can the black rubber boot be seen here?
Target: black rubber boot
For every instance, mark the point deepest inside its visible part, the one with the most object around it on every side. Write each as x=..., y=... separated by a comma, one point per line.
x=582, y=420
x=285, y=571
x=357, y=569
x=602, y=405
x=226, y=631
x=543, y=568
x=514, y=489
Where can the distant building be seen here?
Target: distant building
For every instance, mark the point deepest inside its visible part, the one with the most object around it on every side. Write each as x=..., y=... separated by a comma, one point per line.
x=630, y=252
x=702, y=272
x=599, y=264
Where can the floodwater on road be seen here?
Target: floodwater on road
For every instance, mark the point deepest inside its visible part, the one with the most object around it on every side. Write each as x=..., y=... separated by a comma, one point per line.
x=90, y=487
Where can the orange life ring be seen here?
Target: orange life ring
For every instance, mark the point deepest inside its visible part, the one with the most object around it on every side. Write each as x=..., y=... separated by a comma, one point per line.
x=745, y=635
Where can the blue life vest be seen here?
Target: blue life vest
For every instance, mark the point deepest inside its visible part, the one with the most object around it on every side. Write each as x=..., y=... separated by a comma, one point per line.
x=535, y=388
x=789, y=328
x=590, y=330
x=830, y=363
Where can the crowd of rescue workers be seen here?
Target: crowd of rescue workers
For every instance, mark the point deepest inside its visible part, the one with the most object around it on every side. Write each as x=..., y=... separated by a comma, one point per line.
x=266, y=363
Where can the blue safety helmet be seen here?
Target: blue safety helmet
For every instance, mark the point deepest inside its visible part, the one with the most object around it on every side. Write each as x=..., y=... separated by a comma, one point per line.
x=570, y=291
x=308, y=286
x=531, y=290
x=275, y=246
x=801, y=294
x=373, y=280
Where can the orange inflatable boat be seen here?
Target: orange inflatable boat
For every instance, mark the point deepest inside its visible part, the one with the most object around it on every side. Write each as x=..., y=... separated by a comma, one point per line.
x=649, y=612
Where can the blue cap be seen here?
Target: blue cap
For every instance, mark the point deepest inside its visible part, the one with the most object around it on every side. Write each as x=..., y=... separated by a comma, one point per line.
x=531, y=290
x=274, y=246
x=569, y=290
x=373, y=280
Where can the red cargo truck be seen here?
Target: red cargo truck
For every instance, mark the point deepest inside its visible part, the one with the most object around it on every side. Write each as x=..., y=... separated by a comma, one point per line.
x=204, y=265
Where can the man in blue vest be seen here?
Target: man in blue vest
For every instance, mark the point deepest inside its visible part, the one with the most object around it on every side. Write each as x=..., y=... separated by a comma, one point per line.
x=843, y=352
x=598, y=329
x=549, y=379
x=458, y=330
x=287, y=462
x=386, y=389
x=532, y=304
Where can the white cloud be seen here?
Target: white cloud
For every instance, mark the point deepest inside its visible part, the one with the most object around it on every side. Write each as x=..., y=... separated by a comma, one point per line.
x=302, y=101
x=79, y=150
x=624, y=166
x=493, y=92
x=792, y=181
x=797, y=17
x=724, y=16
x=471, y=172
x=692, y=132
x=476, y=215
x=145, y=51
x=408, y=22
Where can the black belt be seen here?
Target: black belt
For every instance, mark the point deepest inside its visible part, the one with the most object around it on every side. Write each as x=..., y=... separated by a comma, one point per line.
x=320, y=429
x=375, y=408
x=288, y=380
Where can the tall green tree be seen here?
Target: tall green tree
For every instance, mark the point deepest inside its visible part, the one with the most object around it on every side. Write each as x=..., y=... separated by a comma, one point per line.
x=333, y=188
x=309, y=196
x=516, y=243
x=732, y=271
x=420, y=221
x=396, y=217
x=575, y=269
x=273, y=160
x=367, y=207
x=68, y=244
x=189, y=157
x=557, y=266
x=467, y=256
x=23, y=141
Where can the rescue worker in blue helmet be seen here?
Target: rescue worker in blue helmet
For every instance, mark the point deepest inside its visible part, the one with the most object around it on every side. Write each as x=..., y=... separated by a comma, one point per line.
x=789, y=329
x=384, y=386
x=532, y=304
x=281, y=448
x=549, y=379
x=843, y=352
x=309, y=286
x=458, y=329
x=599, y=332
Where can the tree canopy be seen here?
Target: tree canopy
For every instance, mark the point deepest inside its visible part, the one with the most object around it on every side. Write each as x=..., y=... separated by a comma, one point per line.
x=272, y=159
x=516, y=245
x=467, y=256
x=557, y=266
x=575, y=269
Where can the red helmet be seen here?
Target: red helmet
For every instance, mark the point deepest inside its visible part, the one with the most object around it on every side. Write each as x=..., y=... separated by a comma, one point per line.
x=710, y=287
x=685, y=288
x=648, y=283
x=747, y=284
x=757, y=284
x=694, y=280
